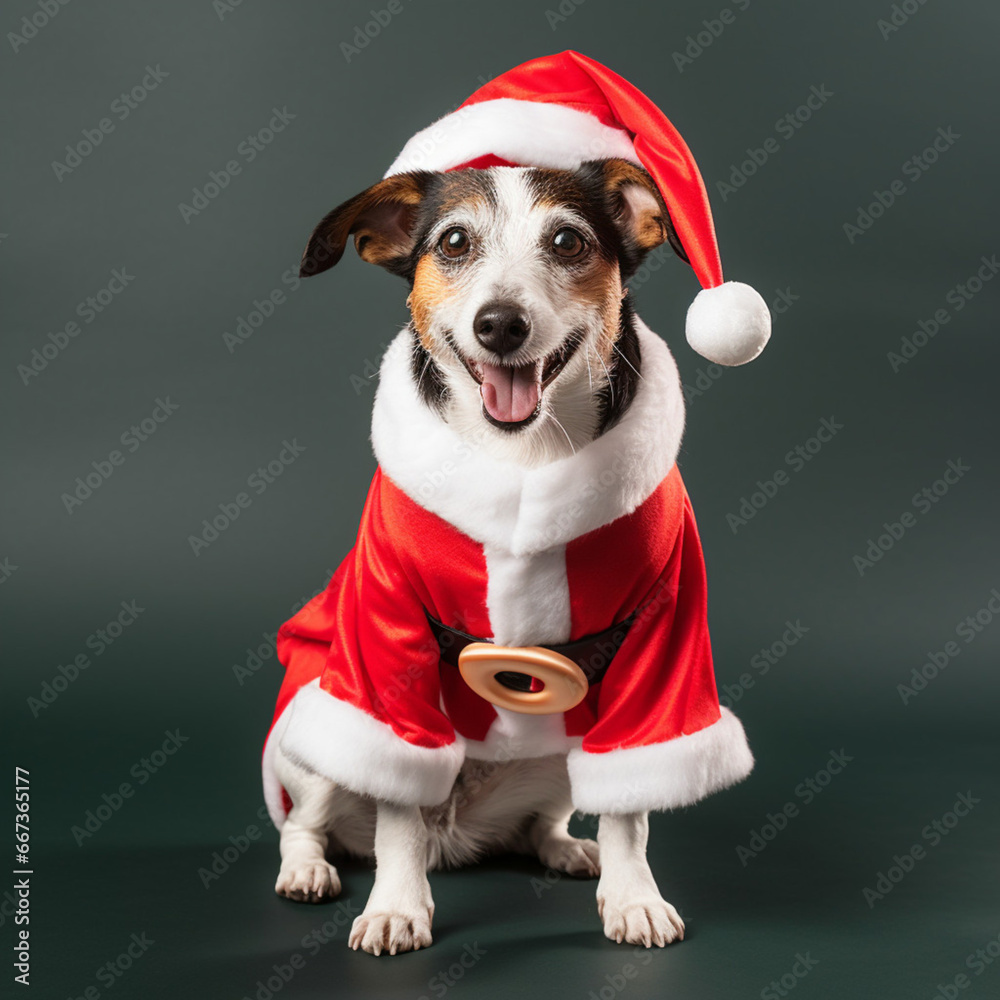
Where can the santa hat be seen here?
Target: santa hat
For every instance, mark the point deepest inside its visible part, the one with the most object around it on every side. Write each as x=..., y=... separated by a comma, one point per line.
x=562, y=110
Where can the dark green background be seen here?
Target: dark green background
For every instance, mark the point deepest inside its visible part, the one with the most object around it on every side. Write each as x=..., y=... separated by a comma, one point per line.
x=173, y=669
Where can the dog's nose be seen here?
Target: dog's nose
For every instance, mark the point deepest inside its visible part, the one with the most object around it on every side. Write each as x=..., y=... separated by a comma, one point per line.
x=501, y=327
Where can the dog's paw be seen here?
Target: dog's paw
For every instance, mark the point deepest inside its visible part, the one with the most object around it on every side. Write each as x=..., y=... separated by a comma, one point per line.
x=570, y=855
x=391, y=932
x=308, y=882
x=648, y=921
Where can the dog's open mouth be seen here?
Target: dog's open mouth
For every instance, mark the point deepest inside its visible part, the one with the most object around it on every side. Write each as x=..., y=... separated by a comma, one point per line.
x=512, y=394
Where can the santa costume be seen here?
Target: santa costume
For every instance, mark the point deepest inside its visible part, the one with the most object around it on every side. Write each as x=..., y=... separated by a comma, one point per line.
x=600, y=544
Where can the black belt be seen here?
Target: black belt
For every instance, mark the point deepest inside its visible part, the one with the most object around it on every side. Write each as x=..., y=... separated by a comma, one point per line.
x=592, y=654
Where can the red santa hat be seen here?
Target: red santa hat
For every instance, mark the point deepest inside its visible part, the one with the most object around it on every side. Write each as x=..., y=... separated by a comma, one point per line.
x=560, y=111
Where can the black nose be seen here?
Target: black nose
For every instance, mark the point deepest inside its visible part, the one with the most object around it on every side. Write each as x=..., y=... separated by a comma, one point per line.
x=501, y=327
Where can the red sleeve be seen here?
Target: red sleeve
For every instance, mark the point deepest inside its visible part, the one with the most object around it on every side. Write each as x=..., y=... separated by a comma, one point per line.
x=370, y=628
x=661, y=685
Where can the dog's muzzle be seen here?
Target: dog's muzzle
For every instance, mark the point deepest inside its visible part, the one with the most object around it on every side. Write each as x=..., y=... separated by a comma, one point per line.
x=533, y=680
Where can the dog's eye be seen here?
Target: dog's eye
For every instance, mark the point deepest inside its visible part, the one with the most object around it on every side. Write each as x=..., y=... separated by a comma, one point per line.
x=568, y=243
x=454, y=243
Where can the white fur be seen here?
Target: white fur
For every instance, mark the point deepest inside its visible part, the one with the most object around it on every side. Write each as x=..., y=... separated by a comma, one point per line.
x=729, y=324
x=511, y=261
x=528, y=603
x=529, y=133
x=662, y=775
x=520, y=805
x=523, y=510
x=528, y=596
x=515, y=735
x=523, y=497
x=366, y=756
x=398, y=914
x=628, y=900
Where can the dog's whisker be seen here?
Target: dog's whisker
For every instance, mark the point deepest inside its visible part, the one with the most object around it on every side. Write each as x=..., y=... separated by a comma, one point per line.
x=615, y=347
x=423, y=371
x=563, y=429
x=611, y=387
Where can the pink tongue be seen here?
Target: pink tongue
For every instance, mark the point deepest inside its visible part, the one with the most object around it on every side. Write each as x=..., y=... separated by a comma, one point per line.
x=510, y=394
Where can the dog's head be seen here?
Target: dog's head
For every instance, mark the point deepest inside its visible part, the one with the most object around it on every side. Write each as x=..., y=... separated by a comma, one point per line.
x=517, y=280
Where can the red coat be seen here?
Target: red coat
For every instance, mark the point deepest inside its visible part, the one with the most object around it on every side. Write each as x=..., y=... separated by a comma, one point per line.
x=367, y=702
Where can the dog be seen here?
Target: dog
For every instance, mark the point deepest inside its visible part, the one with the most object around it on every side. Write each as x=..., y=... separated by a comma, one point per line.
x=523, y=345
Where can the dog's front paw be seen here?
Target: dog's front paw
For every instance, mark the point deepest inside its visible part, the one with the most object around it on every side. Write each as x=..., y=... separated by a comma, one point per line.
x=392, y=932
x=648, y=921
x=308, y=882
x=571, y=855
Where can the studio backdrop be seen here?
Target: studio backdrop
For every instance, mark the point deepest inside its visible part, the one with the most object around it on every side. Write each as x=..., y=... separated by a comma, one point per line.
x=163, y=166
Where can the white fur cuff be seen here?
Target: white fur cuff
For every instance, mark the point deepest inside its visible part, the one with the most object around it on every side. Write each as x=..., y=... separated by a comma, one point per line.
x=355, y=750
x=661, y=775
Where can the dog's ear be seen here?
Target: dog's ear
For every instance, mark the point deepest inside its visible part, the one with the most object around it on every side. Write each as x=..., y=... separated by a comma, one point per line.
x=381, y=219
x=638, y=207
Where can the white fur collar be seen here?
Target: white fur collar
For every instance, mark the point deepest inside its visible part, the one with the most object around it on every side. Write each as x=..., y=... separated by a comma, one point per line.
x=524, y=510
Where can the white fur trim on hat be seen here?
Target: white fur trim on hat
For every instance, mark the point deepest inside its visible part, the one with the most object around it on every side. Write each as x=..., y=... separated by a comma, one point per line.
x=525, y=133
x=729, y=324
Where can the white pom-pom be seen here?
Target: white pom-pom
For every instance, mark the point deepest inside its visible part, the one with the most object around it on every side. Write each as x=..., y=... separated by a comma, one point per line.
x=729, y=324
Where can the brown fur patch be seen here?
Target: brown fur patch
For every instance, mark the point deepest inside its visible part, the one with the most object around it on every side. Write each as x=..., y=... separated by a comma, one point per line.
x=465, y=187
x=380, y=217
x=431, y=289
x=556, y=187
x=381, y=227
x=601, y=286
x=649, y=224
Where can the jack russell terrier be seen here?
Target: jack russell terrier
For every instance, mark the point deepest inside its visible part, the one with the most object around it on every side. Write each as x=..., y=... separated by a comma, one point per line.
x=520, y=629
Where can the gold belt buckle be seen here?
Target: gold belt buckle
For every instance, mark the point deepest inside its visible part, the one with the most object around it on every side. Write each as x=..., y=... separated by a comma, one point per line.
x=564, y=684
